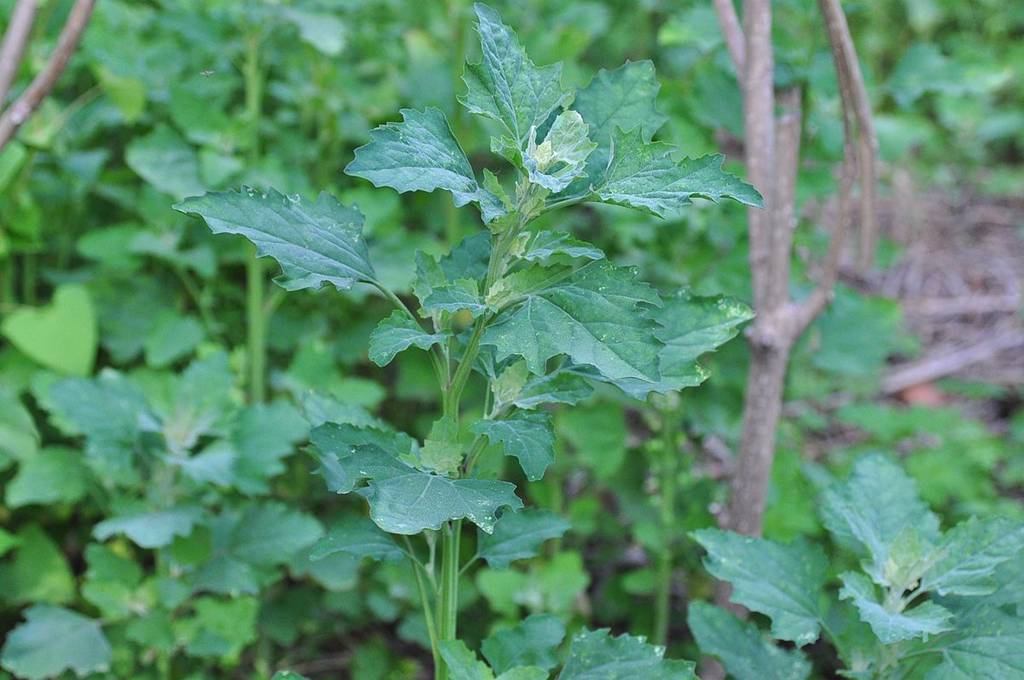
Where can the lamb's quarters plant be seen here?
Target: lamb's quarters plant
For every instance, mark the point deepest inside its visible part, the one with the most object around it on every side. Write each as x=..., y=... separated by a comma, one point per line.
x=538, y=315
x=923, y=603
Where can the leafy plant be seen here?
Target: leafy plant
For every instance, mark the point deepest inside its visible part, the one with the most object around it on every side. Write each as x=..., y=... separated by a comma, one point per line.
x=922, y=603
x=537, y=313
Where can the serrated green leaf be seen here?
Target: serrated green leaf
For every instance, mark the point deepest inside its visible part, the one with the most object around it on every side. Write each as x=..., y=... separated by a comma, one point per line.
x=519, y=535
x=533, y=641
x=54, y=640
x=359, y=537
x=506, y=85
x=422, y=154
x=262, y=436
x=54, y=475
x=987, y=643
x=150, y=529
x=969, y=553
x=61, y=335
x=397, y=333
x=315, y=243
x=528, y=436
x=561, y=157
x=889, y=625
x=107, y=410
x=783, y=582
x=221, y=628
x=689, y=327
x=869, y=510
x=596, y=655
x=467, y=261
x=593, y=315
x=408, y=504
x=173, y=338
x=344, y=469
x=461, y=294
x=621, y=99
x=645, y=176
x=741, y=647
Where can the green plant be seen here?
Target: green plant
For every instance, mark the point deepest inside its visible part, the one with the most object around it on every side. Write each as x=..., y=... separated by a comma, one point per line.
x=537, y=313
x=917, y=603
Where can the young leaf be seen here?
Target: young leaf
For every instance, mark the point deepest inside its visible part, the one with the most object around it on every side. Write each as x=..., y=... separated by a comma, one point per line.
x=969, y=554
x=592, y=315
x=555, y=247
x=644, y=176
x=61, y=335
x=741, y=647
x=150, y=529
x=531, y=642
x=397, y=333
x=506, y=86
x=596, y=655
x=462, y=663
x=315, y=244
x=783, y=582
x=357, y=536
x=889, y=625
x=343, y=471
x=408, y=504
x=869, y=510
x=422, y=154
x=54, y=640
x=519, y=535
x=527, y=436
x=560, y=158
x=461, y=294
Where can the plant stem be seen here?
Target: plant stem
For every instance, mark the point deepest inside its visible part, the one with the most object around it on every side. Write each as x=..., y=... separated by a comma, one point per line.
x=254, y=279
x=428, y=612
x=448, y=595
x=668, y=470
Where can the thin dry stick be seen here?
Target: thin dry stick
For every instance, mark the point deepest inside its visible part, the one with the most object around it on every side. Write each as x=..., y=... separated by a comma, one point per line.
x=867, y=151
x=13, y=47
x=733, y=34
x=19, y=112
x=935, y=367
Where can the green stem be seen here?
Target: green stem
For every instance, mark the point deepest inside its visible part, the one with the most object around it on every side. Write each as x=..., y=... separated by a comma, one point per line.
x=254, y=279
x=668, y=479
x=448, y=597
x=428, y=611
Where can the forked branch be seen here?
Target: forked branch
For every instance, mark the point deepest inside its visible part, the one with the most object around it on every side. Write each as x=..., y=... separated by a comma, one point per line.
x=16, y=115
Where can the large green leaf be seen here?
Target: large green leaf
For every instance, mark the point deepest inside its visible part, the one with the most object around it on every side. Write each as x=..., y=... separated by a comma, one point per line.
x=593, y=315
x=555, y=247
x=397, y=333
x=888, y=624
x=987, y=643
x=868, y=511
x=272, y=533
x=54, y=475
x=527, y=435
x=422, y=154
x=150, y=529
x=969, y=553
x=359, y=537
x=596, y=655
x=741, y=647
x=263, y=435
x=506, y=85
x=166, y=161
x=54, y=640
x=315, y=243
x=62, y=335
x=621, y=99
x=462, y=663
x=783, y=582
x=519, y=535
x=645, y=176
x=531, y=642
x=409, y=503
x=689, y=326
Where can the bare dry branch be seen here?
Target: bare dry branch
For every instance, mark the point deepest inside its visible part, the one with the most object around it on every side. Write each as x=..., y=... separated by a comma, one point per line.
x=13, y=47
x=867, y=146
x=733, y=34
x=16, y=115
x=788, y=131
x=935, y=367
